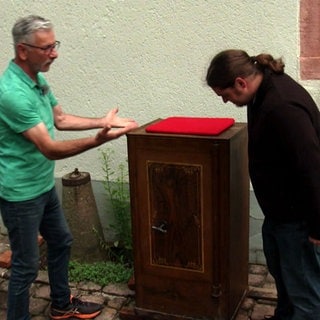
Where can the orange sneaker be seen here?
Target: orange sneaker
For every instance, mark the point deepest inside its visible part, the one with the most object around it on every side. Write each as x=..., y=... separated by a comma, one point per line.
x=77, y=309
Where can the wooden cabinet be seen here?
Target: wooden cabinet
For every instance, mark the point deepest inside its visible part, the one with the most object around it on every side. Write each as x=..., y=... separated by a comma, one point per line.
x=189, y=202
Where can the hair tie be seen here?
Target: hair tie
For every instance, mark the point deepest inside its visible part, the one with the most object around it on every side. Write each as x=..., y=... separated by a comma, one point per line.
x=253, y=59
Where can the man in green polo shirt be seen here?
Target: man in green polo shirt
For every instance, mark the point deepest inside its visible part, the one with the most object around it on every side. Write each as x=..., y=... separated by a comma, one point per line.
x=24, y=106
x=29, y=113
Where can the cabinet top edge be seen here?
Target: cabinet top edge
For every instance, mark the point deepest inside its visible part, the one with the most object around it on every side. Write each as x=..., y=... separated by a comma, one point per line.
x=227, y=134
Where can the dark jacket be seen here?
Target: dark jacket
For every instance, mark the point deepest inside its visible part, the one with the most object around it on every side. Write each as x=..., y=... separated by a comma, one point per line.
x=284, y=151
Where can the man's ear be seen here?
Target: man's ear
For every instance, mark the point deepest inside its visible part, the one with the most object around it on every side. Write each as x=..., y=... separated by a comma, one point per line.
x=240, y=83
x=22, y=51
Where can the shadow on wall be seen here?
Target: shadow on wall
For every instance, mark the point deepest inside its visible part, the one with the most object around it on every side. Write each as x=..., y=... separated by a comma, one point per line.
x=256, y=255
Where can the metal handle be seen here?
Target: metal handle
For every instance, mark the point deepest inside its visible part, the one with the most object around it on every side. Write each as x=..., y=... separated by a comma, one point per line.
x=161, y=228
x=216, y=291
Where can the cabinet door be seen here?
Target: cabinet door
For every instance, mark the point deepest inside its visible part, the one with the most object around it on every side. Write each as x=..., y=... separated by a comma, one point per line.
x=174, y=196
x=174, y=193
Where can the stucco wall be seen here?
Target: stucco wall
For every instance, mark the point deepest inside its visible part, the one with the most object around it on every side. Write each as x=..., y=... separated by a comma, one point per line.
x=150, y=58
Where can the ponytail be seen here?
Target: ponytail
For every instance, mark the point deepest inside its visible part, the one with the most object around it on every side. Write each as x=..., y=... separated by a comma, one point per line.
x=227, y=65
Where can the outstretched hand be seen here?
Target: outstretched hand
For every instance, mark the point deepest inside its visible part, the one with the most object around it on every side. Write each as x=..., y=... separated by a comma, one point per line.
x=121, y=125
x=114, y=121
x=314, y=241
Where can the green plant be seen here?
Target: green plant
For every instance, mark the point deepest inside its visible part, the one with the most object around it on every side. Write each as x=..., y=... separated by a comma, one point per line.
x=116, y=186
x=101, y=273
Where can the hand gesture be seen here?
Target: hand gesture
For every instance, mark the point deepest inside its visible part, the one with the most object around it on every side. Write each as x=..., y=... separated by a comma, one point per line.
x=314, y=241
x=114, y=126
x=112, y=120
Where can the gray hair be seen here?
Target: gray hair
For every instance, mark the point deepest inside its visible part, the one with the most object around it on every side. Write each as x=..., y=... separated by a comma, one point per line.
x=25, y=27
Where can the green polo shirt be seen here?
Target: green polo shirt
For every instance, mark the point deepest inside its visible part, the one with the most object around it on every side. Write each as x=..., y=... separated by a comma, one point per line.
x=25, y=172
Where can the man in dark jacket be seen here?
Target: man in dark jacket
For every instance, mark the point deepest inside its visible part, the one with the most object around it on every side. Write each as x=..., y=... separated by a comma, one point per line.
x=284, y=166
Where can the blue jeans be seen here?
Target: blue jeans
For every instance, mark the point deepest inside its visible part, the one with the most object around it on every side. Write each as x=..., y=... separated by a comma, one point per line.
x=24, y=221
x=294, y=262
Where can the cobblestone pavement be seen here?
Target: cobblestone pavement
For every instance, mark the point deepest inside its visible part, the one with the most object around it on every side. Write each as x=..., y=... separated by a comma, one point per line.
x=260, y=300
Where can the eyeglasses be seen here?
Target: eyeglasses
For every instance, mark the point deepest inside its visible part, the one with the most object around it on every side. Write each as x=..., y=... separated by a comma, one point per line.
x=47, y=49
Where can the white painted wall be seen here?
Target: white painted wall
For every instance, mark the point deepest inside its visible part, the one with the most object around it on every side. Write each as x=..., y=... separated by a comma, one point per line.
x=150, y=57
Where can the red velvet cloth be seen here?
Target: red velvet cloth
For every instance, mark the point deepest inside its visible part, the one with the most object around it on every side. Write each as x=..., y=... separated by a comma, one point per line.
x=191, y=125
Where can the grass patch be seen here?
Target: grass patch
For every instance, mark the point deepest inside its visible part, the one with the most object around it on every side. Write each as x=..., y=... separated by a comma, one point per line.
x=101, y=273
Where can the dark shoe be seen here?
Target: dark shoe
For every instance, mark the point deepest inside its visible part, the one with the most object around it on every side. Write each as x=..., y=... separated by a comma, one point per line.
x=77, y=309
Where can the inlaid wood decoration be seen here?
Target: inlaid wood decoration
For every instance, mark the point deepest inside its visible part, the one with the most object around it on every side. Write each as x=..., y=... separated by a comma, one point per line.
x=176, y=218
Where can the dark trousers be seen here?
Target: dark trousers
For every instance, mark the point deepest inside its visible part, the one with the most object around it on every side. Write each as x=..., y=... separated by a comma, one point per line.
x=294, y=262
x=24, y=220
